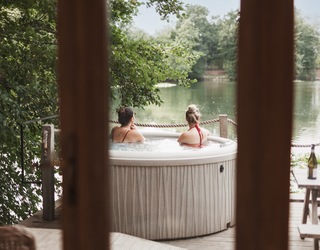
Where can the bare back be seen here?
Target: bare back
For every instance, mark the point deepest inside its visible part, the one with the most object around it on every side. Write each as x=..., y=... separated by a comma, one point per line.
x=123, y=134
x=193, y=137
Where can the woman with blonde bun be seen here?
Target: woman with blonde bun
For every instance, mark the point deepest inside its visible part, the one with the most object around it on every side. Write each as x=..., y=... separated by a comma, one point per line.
x=195, y=136
x=128, y=131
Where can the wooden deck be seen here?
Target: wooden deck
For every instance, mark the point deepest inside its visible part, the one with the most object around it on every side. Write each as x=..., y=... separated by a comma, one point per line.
x=226, y=240
x=48, y=236
x=51, y=239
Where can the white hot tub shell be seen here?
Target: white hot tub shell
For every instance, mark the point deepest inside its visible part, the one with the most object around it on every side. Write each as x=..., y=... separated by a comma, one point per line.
x=169, y=195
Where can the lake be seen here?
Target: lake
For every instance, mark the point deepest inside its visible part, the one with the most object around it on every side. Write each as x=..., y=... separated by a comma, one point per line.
x=214, y=98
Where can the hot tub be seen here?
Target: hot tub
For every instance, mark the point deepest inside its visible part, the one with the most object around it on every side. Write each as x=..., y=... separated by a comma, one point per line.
x=174, y=194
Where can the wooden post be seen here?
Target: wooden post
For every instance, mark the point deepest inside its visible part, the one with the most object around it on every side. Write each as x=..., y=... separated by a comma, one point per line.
x=264, y=117
x=47, y=169
x=83, y=95
x=223, y=121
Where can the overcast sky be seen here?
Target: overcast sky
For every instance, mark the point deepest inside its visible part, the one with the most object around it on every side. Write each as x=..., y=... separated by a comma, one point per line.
x=149, y=20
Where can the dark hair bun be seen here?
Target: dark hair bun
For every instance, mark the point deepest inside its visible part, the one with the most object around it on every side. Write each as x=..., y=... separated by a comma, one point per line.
x=124, y=115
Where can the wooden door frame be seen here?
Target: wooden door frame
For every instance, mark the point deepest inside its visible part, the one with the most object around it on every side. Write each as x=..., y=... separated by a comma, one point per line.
x=264, y=115
x=83, y=95
x=264, y=102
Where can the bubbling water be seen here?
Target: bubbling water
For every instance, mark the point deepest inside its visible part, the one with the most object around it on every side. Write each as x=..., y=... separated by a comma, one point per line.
x=158, y=144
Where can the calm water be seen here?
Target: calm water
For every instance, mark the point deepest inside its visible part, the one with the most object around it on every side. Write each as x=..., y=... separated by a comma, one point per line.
x=219, y=98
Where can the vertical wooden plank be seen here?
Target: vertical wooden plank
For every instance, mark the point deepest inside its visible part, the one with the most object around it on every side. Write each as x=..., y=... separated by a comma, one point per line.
x=306, y=206
x=223, y=121
x=264, y=102
x=314, y=206
x=47, y=171
x=83, y=96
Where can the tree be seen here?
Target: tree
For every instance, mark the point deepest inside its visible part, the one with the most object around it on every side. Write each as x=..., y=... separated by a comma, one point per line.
x=214, y=41
x=28, y=91
x=201, y=36
x=138, y=65
x=228, y=42
x=306, y=49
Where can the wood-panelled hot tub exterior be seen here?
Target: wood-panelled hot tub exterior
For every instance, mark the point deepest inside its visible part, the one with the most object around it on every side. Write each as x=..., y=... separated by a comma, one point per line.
x=167, y=197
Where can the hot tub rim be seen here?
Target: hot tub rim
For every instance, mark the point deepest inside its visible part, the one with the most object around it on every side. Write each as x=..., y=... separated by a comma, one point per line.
x=192, y=156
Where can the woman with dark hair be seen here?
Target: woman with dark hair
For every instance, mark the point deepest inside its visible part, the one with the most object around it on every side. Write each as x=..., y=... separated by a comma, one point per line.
x=128, y=131
x=195, y=136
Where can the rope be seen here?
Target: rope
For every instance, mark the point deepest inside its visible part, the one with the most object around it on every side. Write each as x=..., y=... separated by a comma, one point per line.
x=179, y=125
x=156, y=125
x=232, y=122
x=304, y=145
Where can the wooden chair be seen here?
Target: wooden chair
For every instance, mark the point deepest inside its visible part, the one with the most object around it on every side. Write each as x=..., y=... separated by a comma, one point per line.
x=16, y=238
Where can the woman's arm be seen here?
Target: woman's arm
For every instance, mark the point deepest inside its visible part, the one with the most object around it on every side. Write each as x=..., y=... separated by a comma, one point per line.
x=182, y=137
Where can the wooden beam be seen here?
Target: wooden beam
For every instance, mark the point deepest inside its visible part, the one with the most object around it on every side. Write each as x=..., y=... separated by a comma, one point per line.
x=83, y=96
x=47, y=171
x=264, y=102
x=223, y=122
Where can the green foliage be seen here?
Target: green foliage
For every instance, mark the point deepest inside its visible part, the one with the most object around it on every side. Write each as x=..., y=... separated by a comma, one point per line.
x=138, y=64
x=28, y=91
x=228, y=43
x=306, y=49
x=121, y=11
x=196, y=31
x=167, y=7
x=214, y=42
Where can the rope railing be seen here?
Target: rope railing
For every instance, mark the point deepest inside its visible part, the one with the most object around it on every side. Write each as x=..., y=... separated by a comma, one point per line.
x=179, y=125
x=304, y=145
x=232, y=122
x=152, y=125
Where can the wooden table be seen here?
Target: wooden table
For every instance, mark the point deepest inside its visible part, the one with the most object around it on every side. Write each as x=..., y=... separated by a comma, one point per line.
x=311, y=186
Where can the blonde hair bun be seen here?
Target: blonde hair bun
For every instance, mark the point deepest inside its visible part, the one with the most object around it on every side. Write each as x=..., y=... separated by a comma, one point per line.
x=192, y=114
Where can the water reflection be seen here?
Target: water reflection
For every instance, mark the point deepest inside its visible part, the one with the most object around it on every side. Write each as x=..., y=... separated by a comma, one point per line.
x=212, y=98
x=306, y=113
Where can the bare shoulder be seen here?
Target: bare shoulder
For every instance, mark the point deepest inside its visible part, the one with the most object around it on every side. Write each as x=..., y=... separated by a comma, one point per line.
x=113, y=130
x=136, y=135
